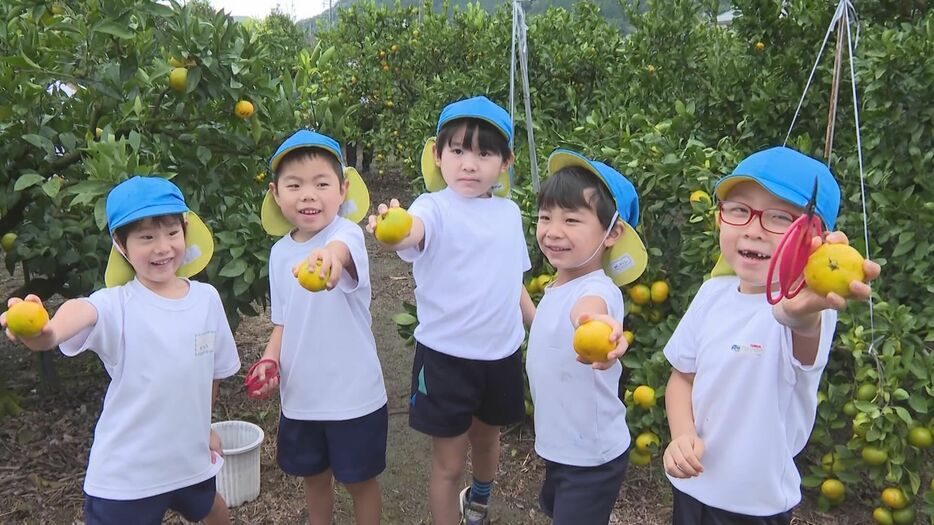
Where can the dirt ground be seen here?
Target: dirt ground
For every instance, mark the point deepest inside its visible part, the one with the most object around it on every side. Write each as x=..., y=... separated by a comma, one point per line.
x=44, y=450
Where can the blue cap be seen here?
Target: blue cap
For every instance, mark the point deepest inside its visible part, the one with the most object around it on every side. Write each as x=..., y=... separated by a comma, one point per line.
x=307, y=139
x=141, y=197
x=624, y=193
x=789, y=175
x=479, y=108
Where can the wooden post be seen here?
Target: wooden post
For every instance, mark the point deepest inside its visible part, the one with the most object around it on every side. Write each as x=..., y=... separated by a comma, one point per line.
x=835, y=88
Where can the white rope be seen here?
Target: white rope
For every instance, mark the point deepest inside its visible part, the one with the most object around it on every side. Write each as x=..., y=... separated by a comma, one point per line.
x=843, y=8
x=520, y=40
x=862, y=176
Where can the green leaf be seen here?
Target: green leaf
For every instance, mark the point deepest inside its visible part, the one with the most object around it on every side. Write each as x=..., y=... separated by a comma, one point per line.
x=40, y=142
x=27, y=180
x=404, y=319
x=52, y=186
x=234, y=268
x=904, y=415
x=918, y=403
x=112, y=28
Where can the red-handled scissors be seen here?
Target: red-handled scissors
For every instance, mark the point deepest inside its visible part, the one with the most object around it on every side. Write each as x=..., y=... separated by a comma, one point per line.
x=793, y=251
x=253, y=384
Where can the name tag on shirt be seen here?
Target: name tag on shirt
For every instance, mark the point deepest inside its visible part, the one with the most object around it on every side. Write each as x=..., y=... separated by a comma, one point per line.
x=204, y=343
x=748, y=349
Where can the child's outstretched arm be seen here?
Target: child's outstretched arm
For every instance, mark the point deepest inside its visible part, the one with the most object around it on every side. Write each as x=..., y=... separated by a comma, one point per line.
x=801, y=314
x=415, y=236
x=683, y=455
x=527, y=306
x=593, y=308
x=71, y=317
x=335, y=259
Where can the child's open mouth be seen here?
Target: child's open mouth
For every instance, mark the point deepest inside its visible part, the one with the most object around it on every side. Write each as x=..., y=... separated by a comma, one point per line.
x=162, y=262
x=753, y=255
x=309, y=211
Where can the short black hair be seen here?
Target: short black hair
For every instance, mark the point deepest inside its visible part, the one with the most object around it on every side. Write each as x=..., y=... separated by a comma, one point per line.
x=565, y=188
x=124, y=231
x=300, y=154
x=489, y=137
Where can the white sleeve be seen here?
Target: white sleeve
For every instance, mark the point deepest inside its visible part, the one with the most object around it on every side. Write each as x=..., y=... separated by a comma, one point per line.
x=276, y=298
x=802, y=407
x=352, y=237
x=226, y=358
x=681, y=349
x=426, y=209
x=105, y=338
x=610, y=294
x=522, y=246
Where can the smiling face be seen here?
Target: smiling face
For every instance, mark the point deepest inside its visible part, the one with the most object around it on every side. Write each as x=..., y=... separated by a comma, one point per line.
x=155, y=248
x=469, y=160
x=748, y=249
x=309, y=192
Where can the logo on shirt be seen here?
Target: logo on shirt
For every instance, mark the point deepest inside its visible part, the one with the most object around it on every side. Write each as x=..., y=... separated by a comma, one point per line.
x=204, y=343
x=751, y=349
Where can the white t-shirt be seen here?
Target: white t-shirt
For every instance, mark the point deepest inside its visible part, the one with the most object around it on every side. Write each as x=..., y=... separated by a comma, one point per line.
x=754, y=403
x=330, y=370
x=468, y=277
x=162, y=356
x=579, y=418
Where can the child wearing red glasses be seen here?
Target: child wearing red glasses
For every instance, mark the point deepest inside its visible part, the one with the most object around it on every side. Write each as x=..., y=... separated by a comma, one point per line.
x=742, y=396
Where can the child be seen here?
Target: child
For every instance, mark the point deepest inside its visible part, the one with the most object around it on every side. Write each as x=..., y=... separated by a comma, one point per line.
x=742, y=395
x=580, y=422
x=334, y=418
x=165, y=343
x=469, y=254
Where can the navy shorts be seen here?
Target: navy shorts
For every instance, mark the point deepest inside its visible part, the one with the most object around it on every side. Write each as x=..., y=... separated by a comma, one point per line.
x=193, y=503
x=689, y=511
x=582, y=495
x=354, y=449
x=448, y=392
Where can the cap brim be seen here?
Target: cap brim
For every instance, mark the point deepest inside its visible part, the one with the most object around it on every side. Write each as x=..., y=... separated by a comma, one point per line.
x=355, y=207
x=721, y=268
x=729, y=182
x=434, y=181
x=566, y=159
x=199, y=248
x=626, y=260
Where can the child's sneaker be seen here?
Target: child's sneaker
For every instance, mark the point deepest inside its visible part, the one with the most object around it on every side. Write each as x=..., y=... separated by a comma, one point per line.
x=473, y=513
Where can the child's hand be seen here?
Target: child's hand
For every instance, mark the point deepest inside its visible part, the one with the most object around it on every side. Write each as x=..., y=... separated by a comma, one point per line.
x=801, y=311
x=330, y=262
x=380, y=210
x=683, y=455
x=266, y=374
x=616, y=335
x=217, y=449
x=41, y=341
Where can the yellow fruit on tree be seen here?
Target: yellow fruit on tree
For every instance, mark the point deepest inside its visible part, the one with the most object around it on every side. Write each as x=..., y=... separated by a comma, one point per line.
x=592, y=341
x=244, y=109
x=861, y=424
x=866, y=392
x=647, y=441
x=640, y=294
x=920, y=437
x=659, y=292
x=639, y=458
x=832, y=464
x=832, y=267
x=833, y=489
x=8, y=241
x=174, y=62
x=178, y=79
x=882, y=516
x=894, y=498
x=393, y=226
x=644, y=396
x=700, y=196
x=532, y=286
x=544, y=280
x=904, y=516
x=312, y=280
x=26, y=319
x=874, y=456
x=760, y=46
x=630, y=337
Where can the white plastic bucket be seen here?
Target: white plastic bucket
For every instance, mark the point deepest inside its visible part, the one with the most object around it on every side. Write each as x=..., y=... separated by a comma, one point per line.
x=238, y=480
